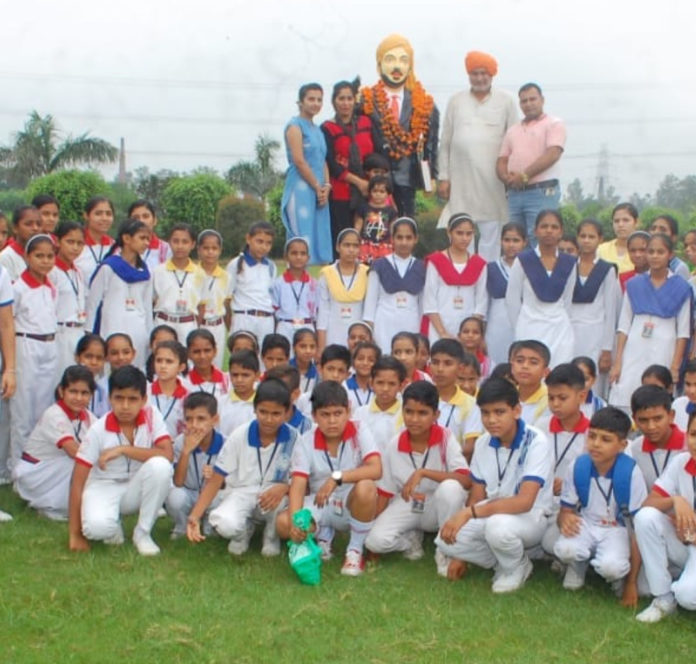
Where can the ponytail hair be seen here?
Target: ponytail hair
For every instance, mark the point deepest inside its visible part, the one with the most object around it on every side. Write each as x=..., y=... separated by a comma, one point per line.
x=129, y=227
x=258, y=227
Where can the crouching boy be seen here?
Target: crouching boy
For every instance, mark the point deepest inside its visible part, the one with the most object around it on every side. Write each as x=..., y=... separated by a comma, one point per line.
x=123, y=466
x=254, y=461
x=424, y=477
x=609, y=487
x=510, y=497
x=340, y=463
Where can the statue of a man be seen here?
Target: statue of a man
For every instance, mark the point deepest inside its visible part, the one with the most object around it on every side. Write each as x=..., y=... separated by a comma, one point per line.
x=405, y=120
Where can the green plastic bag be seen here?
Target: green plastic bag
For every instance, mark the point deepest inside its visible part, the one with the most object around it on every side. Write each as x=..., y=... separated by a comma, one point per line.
x=305, y=558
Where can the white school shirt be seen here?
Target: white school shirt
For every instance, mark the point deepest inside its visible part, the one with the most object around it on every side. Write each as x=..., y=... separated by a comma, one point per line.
x=92, y=256
x=218, y=386
x=598, y=511
x=653, y=460
x=311, y=457
x=383, y=424
x=461, y=416
x=35, y=306
x=194, y=480
x=681, y=413
x=105, y=434
x=177, y=292
x=336, y=317
x=502, y=470
x=56, y=427
x=309, y=379
x=536, y=409
x=244, y=462
x=303, y=403
x=295, y=299
x=235, y=412
x=171, y=408
x=678, y=479
x=391, y=313
x=251, y=288
x=357, y=396
x=214, y=293
x=453, y=303
x=157, y=253
x=566, y=445
x=71, y=292
x=12, y=259
x=399, y=461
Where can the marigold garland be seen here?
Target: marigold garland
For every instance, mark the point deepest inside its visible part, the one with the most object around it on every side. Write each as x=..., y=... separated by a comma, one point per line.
x=402, y=143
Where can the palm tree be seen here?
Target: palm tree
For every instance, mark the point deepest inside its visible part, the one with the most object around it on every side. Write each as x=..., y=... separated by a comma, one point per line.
x=257, y=177
x=37, y=150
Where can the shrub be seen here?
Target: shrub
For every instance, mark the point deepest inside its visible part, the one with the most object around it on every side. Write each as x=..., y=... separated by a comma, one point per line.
x=72, y=189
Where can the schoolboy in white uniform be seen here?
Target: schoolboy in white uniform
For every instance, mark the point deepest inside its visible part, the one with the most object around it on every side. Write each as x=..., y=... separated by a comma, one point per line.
x=424, y=479
x=662, y=439
x=291, y=377
x=609, y=488
x=123, y=466
x=510, y=496
x=254, y=463
x=237, y=408
x=666, y=532
x=338, y=461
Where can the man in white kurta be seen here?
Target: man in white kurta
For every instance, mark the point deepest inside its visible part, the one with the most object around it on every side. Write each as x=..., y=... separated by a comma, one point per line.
x=475, y=122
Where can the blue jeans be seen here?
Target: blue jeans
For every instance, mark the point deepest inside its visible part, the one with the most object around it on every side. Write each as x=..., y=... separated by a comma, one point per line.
x=524, y=206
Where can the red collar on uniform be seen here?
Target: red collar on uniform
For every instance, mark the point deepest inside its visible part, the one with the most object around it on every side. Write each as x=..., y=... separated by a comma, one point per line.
x=582, y=426
x=18, y=248
x=675, y=442
x=690, y=467
x=72, y=415
x=179, y=391
x=288, y=278
x=320, y=440
x=196, y=379
x=154, y=242
x=32, y=281
x=113, y=425
x=436, y=436
x=105, y=240
x=64, y=266
x=417, y=375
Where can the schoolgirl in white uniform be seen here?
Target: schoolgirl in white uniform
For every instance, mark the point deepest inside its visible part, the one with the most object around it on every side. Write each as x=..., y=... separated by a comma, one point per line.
x=499, y=330
x=158, y=251
x=168, y=390
x=540, y=290
x=455, y=282
x=90, y=352
x=395, y=286
x=251, y=276
x=71, y=292
x=36, y=323
x=214, y=310
x=295, y=293
x=42, y=475
x=178, y=284
x=98, y=215
x=205, y=376
x=304, y=346
x=120, y=295
x=342, y=288
x=26, y=223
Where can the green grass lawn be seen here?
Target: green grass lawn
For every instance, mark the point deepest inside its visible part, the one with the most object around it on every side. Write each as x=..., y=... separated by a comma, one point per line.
x=198, y=604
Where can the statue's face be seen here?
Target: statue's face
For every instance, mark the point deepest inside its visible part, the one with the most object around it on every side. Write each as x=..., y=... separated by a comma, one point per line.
x=394, y=67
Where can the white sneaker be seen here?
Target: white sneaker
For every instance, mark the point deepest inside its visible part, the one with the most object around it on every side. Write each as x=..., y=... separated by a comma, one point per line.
x=442, y=563
x=144, y=543
x=326, y=552
x=4, y=517
x=657, y=611
x=415, y=545
x=353, y=564
x=117, y=538
x=508, y=583
x=271, y=542
x=176, y=535
x=574, y=577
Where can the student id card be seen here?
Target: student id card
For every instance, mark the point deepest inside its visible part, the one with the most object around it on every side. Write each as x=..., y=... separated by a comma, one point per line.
x=181, y=306
x=130, y=304
x=346, y=313
x=647, y=330
x=401, y=300
x=458, y=302
x=337, y=505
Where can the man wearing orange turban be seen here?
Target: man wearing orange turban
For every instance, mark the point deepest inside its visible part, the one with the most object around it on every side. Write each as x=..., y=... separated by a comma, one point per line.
x=405, y=119
x=473, y=128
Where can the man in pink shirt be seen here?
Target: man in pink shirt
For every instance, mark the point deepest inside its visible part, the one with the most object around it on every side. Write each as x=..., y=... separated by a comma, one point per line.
x=528, y=160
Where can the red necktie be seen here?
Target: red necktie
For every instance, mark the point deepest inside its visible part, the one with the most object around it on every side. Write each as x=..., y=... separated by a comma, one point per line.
x=394, y=107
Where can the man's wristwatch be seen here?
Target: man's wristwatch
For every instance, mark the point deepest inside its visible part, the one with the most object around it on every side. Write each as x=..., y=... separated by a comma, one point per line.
x=337, y=476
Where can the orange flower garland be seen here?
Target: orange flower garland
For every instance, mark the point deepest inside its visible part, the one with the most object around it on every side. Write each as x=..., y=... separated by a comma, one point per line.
x=401, y=142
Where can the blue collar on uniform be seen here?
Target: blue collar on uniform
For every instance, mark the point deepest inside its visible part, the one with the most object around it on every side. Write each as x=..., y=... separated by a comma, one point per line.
x=254, y=438
x=251, y=261
x=311, y=371
x=215, y=444
x=517, y=441
x=297, y=418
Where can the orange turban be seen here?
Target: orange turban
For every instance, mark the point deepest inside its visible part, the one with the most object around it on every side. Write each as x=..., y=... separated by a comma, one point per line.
x=396, y=41
x=480, y=60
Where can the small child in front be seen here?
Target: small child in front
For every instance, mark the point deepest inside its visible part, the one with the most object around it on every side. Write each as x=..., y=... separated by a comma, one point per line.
x=510, y=496
x=254, y=464
x=609, y=487
x=339, y=462
x=424, y=479
x=123, y=466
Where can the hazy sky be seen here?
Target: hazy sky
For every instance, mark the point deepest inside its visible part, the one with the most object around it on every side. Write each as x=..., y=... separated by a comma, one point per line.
x=189, y=84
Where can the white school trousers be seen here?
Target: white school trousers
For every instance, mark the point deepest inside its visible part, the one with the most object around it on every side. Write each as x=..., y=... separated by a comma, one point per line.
x=398, y=518
x=496, y=541
x=259, y=325
x=661, y=549
x=67, y=339
x=104, y=501
x=219, y=332
x=45, y=485
x=180, y=502
x=489, y=239
x=240, y=507
x=607, y=548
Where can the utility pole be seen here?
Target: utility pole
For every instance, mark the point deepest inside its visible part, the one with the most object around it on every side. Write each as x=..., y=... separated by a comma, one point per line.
x=603, y=173
x=122, y=162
